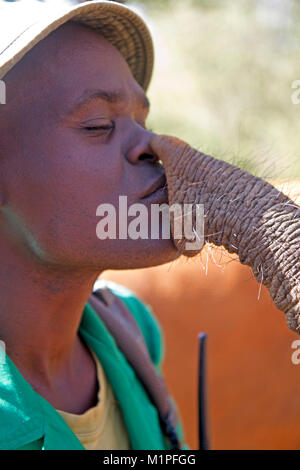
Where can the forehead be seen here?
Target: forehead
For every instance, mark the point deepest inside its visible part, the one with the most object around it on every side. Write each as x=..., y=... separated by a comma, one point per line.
x=72, y=59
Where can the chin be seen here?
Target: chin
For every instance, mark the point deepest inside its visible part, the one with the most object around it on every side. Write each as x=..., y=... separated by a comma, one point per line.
x=138, y=254
x=161, y=253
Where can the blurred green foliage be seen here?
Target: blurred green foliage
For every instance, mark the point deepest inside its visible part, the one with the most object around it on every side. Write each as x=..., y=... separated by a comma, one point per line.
x=223, y=79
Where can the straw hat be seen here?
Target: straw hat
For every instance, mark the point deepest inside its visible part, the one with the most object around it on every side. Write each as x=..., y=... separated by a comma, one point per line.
x=23, y=24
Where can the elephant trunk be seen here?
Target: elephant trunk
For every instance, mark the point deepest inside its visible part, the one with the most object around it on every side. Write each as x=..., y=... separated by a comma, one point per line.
x=243, y=213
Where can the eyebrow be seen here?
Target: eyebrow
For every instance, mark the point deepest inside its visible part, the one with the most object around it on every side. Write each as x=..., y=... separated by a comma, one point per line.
x=112, y=97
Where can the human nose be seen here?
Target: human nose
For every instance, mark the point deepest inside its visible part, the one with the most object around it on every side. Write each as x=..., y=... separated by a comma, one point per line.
x=140, y=148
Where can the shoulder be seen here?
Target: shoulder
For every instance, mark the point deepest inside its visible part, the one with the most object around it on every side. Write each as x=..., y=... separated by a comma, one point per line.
x=143, y=315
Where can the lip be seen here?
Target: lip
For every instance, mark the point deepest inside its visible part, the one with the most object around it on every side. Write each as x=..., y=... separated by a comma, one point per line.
x=160, y=196
x=159, y=183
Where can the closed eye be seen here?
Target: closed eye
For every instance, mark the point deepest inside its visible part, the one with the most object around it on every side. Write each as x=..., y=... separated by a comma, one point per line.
x=93, y=128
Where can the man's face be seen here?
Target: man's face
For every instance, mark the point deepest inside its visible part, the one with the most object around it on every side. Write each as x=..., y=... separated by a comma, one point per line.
x=74, y=137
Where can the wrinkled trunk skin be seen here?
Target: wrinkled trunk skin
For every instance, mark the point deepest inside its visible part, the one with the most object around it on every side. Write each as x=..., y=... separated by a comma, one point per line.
x=243, y=213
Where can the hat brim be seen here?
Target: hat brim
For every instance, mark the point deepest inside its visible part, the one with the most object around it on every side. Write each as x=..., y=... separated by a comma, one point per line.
x=121, y=26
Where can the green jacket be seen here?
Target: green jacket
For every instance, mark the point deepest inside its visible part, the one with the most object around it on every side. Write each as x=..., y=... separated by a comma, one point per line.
x=28, y=421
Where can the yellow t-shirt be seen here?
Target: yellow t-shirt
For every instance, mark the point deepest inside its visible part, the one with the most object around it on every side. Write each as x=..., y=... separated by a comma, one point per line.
x=101, y=427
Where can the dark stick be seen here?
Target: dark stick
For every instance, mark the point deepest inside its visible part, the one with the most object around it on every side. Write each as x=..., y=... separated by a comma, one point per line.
x=202, y=424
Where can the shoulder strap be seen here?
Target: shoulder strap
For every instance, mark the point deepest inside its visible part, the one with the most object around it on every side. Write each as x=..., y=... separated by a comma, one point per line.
x=127, y=334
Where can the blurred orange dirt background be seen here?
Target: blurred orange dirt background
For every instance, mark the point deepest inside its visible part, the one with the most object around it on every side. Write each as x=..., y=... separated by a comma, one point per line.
x=253, y=386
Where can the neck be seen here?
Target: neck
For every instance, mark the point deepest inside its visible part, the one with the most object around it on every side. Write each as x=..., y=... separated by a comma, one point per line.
x=41, y=309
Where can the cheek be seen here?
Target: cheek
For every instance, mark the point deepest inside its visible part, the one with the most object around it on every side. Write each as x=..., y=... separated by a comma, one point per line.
x=68, y=217
x=53, y=205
